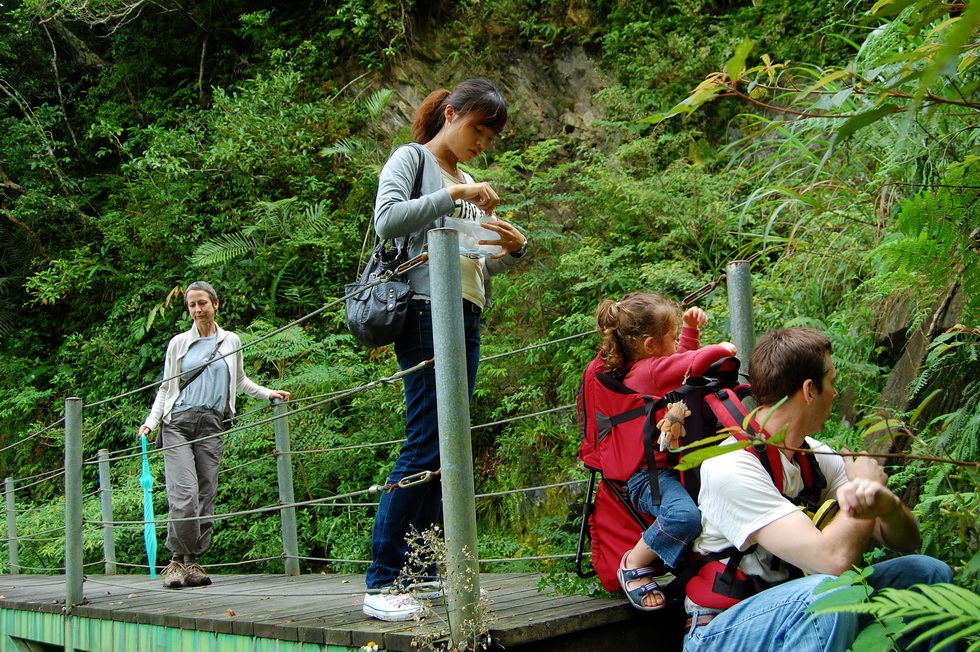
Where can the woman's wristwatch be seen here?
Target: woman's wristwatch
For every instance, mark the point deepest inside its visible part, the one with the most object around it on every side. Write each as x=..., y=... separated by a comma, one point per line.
x=520, y=252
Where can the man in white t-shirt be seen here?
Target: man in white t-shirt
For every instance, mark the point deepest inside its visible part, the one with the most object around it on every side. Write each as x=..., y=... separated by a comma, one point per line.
x=741, y=508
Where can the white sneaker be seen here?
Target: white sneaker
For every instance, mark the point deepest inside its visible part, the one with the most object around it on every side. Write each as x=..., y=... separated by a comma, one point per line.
x=392, y=607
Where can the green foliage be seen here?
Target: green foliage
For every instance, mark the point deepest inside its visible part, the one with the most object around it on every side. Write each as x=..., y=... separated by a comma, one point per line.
x=293, y=241
x=948, y=425
x=934, y=243
x=242, y=146
x=945, y=612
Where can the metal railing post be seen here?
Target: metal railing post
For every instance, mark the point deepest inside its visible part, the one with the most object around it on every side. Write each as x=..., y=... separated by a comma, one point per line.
x=105, y=496
x=740, y=308
x=284, y=466
x=456, y=455
x=11, y=506
x=73, y=503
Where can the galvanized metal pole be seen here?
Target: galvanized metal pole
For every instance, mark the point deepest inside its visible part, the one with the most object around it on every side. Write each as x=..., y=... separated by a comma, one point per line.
x=284, y=465
x=740, y=308
x=73, y=503
x=455, y=452
x=105, y=495
x=11, y=505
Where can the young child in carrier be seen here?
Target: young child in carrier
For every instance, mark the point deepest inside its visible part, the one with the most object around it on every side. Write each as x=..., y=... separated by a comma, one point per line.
x=640, y=346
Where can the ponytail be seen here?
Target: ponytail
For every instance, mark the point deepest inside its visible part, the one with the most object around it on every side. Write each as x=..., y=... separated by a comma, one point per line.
x=430, y=116
x=614, y=354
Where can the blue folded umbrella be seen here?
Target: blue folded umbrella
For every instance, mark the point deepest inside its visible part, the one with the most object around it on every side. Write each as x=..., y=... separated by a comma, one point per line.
x=149, y=524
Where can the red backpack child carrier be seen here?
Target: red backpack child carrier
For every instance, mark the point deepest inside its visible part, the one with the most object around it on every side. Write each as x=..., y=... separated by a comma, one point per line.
x=619, y=436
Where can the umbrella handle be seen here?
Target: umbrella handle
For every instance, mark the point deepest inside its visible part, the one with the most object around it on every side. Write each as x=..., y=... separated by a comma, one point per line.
x=143, y=442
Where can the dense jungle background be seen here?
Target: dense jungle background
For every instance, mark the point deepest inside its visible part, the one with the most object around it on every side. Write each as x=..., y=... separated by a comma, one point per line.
x=146, y=144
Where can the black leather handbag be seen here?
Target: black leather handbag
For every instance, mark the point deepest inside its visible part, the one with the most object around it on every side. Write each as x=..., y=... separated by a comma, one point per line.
x=376, y=315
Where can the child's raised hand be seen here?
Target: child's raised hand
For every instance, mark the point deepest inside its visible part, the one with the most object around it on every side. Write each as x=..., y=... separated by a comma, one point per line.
x=695, y=317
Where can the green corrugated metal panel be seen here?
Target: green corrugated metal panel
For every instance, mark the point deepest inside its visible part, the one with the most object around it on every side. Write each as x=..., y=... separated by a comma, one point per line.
x=50, y=628
x=94, y=635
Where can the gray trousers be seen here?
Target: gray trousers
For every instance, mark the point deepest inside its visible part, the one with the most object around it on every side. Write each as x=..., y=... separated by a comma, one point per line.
x=192, y=478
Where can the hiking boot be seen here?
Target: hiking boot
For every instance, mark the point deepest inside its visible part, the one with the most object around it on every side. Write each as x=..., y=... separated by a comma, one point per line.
x=392, y=607
x=174, y=575
x=196, y=575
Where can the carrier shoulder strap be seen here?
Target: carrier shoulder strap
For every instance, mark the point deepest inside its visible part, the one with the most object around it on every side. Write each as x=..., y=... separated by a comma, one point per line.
x=733, y=415
x=605, y=423
x=814, y=481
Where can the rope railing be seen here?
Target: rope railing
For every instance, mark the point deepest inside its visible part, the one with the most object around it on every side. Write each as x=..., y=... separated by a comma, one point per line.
x=31, y=436
x=330, y=502
x=508, y=492
x=337, y=449
x=503, y=560
x=261, y=458
x=59, y=528
x=380, y=382
x=31, y=510
x=321, y=503
x=329, y=397
x=244, y=512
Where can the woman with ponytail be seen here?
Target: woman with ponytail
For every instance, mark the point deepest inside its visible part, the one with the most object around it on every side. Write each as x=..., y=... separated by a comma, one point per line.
x=450, y=127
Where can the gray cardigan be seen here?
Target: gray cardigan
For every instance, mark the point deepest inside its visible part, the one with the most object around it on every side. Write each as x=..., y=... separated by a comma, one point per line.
x=397, y=217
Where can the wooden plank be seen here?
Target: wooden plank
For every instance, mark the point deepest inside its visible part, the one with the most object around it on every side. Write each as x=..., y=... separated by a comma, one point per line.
x=325, y=609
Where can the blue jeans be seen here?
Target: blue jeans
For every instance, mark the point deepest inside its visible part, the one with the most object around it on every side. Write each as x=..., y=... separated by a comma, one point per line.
x=776, y=618
x=419, y=506
x=678, y=518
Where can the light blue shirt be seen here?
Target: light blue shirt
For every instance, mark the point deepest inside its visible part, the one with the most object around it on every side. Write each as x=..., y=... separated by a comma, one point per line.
x=208, y=390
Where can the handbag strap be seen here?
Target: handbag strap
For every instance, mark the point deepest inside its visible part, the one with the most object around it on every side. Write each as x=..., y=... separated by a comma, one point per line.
x=417, y=186
x=416, y=193
x=184, y=383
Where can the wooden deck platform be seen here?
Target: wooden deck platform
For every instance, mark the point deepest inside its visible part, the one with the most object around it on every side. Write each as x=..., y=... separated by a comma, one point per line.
x=325, y=610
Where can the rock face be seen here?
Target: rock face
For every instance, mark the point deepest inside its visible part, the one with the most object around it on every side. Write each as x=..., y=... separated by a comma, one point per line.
x=549, y=94
x=893, y=325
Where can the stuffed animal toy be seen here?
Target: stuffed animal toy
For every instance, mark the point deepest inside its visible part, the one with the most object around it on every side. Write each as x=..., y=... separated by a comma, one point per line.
x=672, y=425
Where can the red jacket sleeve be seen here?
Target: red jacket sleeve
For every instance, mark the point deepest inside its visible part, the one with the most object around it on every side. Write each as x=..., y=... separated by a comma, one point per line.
x=706, y=357
x=690, y=340
x=661, y=374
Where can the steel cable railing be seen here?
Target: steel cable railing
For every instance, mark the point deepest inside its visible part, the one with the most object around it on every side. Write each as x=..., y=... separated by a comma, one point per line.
x=317, y=402
x=330, y=501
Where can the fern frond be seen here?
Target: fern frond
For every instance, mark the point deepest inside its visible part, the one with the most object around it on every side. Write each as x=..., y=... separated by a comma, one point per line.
x=350, y=147
x=377, y=102
x=926, y=603
x=223, y=248
x=273, y=216
x=928, y=610
x=316, y=219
